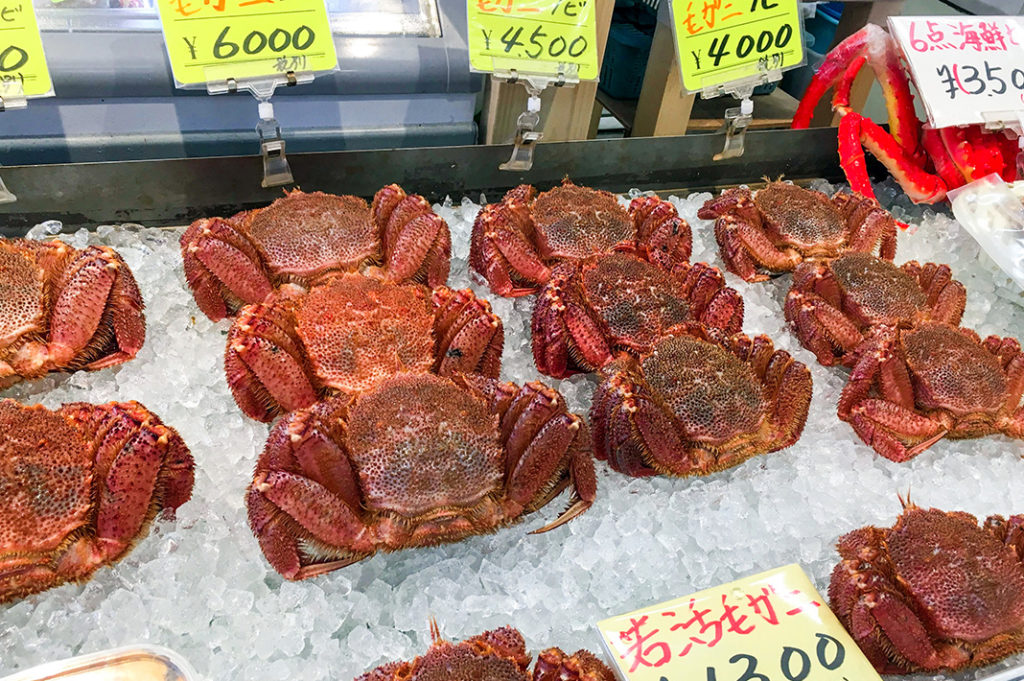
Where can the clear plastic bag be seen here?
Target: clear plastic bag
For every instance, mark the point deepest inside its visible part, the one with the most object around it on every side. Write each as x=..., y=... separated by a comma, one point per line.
x=134, y=663
x=993, y=212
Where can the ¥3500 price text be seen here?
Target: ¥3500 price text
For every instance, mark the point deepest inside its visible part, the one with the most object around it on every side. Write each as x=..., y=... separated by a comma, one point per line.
x=965, y=79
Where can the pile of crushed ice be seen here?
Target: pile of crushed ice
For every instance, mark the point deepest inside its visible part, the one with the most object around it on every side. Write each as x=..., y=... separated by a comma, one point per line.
x=201, y=586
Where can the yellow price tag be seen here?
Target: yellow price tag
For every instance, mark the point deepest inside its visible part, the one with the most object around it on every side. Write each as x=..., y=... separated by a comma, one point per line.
x=23, y=69
x=773, y=625
x=533, y=36
x=729, y=40
x=214, y=40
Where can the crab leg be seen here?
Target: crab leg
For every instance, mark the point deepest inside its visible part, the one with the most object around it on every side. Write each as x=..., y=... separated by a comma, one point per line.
x=947, y=297
x=821, y=327
x=468, y=337
x=661, y=234
x=566, y=338
x=221, y=265
x=712, y=302
x=125, y=308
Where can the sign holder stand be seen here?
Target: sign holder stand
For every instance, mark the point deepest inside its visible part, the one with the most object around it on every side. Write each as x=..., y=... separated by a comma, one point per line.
x=527, y=135
x=15, y=99
x=738, y=118
x=276, y=171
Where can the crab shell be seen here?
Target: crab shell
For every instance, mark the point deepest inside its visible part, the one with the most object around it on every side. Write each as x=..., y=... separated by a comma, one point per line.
x=910, y=388
x=935, y=591
x=418, y=460
x=79, y=486
x=349, y=334
x=499, y=654
x=778, y=227
x=592, y=308
x=516, y=242
x=304, y=238
x=698, y=404
x=833, y=304
x=64, y=309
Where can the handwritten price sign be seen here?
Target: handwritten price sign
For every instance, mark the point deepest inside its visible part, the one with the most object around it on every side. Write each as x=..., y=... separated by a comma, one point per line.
x=770, y=627
x=23, y=69
x=967, y=69
x=722, y=41
x=533, y=36
x=209, y=40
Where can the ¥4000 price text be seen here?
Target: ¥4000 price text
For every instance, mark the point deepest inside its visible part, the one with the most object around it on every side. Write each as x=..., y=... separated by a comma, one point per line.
x=966, y=79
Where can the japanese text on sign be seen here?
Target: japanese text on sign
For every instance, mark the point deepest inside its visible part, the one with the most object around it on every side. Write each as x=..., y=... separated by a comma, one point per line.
x=773, y=626
x=220, y=39
x=967, y=69
x=533, y=36
x=722, y=41
x=23, y=69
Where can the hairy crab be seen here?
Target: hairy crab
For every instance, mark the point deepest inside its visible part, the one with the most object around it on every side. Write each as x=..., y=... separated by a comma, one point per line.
x=304, y=238
x=79, y=486
x=496, y=655
x=776, y=228
x=592, y=308
x=833, y=304
x=350, y=333
x=417, y=460
x=934, y=592
x=64, y=309
x=957, y=155
x=698, y=403
x=911, y=387
x=516, y=242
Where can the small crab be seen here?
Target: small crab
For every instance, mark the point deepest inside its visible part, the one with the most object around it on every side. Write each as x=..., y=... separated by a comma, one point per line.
x=516, y=242
x=496, y=655
x=778, y=227
x=610, y=302
x=79, y=486
x=834, y=303
x=698, y=403
x=934, y=592
x=348, y=335
x=64, y=309
x=418, y=460
x=910, y=388
x=303, y=238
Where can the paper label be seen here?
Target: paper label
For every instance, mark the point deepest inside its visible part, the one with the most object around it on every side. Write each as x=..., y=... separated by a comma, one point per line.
x=533, y=36
x=722, y=41
x=967, y=69
x=23, y=69
x=770, y=627
x=214, y=40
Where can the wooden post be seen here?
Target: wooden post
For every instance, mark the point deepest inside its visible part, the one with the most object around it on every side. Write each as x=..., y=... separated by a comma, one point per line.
x=663, y=108
x=855, y=16
x=566, y=113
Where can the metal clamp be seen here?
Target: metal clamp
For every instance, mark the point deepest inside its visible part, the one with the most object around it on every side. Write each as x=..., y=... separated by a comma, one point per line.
x=527, y=134
x=276, y=171
x=737, y=120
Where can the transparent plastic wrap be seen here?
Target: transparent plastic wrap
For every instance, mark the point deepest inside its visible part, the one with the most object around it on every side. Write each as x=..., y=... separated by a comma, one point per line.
x=133, y=663
x=992, y=211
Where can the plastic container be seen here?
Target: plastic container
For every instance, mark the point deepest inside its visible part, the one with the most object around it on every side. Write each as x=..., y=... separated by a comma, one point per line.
x=625, y=60
x=993, y=213
x=823, y=25
x=133, y=663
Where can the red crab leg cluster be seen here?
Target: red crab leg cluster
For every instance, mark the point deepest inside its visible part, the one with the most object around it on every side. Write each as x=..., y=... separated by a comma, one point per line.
x=416, y=242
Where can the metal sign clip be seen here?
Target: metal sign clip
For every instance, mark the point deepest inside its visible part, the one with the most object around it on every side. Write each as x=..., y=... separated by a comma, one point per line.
x=276, y=171
x=737, y=120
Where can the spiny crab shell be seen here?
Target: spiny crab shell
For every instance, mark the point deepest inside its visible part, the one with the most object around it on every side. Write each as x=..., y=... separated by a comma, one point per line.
x=496, y=655
x=516, y=242
x=304, y=238
x=934, y=592
x=833, y=304
x=776, y=228
x=698, y=403
x=79, y=486
x=593, y=308
x=910, y=388
x=65, y=309
x=348, y=335
x=417, y=460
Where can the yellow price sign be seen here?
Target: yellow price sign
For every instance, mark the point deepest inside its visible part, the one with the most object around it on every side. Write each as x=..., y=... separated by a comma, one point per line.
x=729, y=40
x=773, y=626
x=23, y=69
x=533, y=36
x=214, y=40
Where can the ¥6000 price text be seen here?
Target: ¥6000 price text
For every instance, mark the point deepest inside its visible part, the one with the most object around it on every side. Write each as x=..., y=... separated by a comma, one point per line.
x=257, y=43
x=966, y=79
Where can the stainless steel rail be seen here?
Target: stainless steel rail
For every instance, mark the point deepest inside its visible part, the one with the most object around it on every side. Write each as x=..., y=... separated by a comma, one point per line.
x=175, y=192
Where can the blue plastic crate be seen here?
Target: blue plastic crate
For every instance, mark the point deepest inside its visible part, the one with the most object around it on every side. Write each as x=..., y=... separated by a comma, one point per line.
x=625, y=60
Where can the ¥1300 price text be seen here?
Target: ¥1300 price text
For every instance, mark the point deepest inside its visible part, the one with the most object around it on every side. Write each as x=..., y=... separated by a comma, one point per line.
x=794, y=664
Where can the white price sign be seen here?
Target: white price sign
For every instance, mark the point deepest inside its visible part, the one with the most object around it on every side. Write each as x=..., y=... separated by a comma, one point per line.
x=967, y=69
